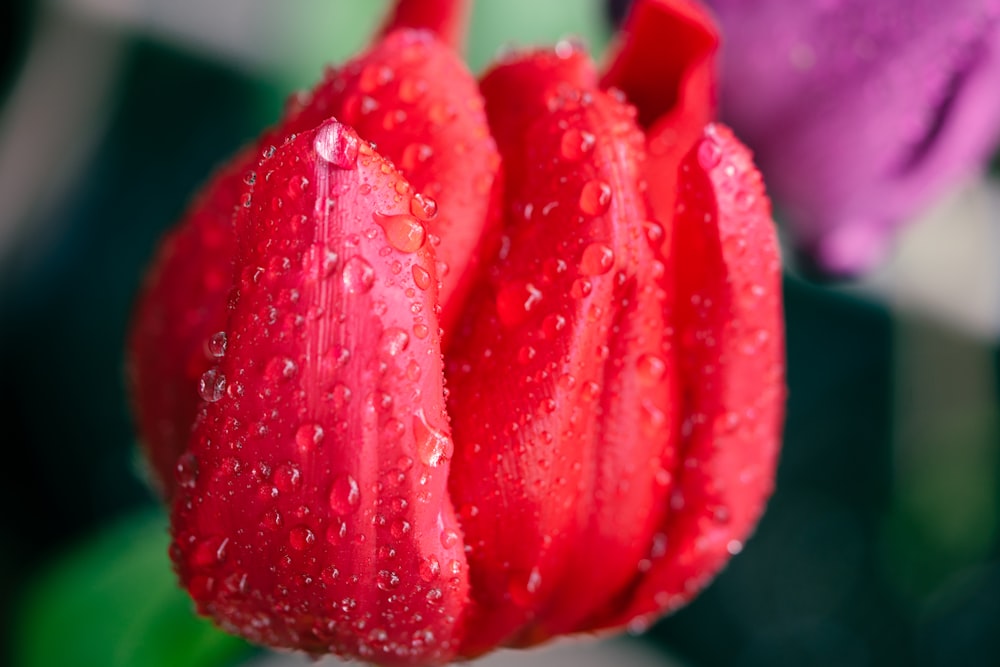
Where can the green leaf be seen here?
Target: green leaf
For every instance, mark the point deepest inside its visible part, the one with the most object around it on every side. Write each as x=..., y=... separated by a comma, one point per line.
x=115, y=602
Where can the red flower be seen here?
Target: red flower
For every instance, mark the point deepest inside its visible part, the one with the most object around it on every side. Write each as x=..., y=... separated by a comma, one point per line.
x=597, y=266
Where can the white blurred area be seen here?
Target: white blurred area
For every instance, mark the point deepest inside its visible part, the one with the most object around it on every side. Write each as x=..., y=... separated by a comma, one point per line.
x=946, y=266
x=563, y=653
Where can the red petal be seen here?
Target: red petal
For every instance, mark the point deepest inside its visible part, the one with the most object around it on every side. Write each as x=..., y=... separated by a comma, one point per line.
x=732, y=369
x=416, y=101
x=665, y=65
x=561, y=378
x=315, y=489
x=448, y=19
x=183, y=302
x=555, y=76
x=664, y=62
x=179, y=309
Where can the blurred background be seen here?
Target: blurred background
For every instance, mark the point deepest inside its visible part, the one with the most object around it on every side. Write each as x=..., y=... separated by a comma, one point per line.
x=880, y=546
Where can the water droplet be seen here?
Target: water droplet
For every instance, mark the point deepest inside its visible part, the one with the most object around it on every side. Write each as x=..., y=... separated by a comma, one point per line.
x=654, y=418
x=209, y=551
x=421, y=330
x=430, y=568
x=393, y=341
x=287, y=478
x=374, y=76
x=399, y=528
x=523, y=586
x=449, y=539
x=386, y=580
x=515, y=301
x=575, y=144
x=345, y=496
x=330, y=262
x=581, y=288
x=187, y=470
x=340, y=395
x=744, y=200
x=216, y=345
x=212, y=385
x=721, y=514
x=595, y=197
x=404, y=232
x=358, y=275
x=393, y=430
x=423, y=207
x=301, y=538
x=281, y=368
x=415, y=155
x=411, y=89
x=654, y=233
x=552, y=324
x=308, y=436
x=433, y=445
x=709, y=154
x=271, y=520
x=534, y=581
x=421, y=277
x=651, y=367
x=337, y=144
x=597, y=259
x=525, y=354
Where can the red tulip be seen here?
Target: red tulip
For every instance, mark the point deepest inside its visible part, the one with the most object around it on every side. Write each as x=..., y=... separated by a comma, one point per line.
x=591, y=266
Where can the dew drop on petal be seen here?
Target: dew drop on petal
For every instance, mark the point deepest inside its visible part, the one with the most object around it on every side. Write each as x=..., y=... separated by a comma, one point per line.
x=430, y=568
x=414, y=155
x=212, y=385
x=404, y=232
x=576, y=143
x=308, y=436
x=216, y=345
x=581, y=288
x=345, y=496
x=597, y=259
x=552, y=324
x=654, y=233
x=386, y=580
x=337, y=144
x=709, y=154
x=434, y=447
x=393, y=341
x=595, y=197
x=423, y=207
x=515, y=301
x=358, y=275
x=651, y=367
x=287, y=478
x=421, y=277
x=301, y=538
x=449, y=539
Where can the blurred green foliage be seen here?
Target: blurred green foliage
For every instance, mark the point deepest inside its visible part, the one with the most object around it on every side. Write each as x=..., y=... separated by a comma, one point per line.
x=114, y=601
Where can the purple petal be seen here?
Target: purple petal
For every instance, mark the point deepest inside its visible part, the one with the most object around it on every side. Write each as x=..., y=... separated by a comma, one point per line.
x=861, y=112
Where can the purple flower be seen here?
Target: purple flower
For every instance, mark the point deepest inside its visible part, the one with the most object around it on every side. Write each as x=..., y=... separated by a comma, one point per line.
x=860, y=112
